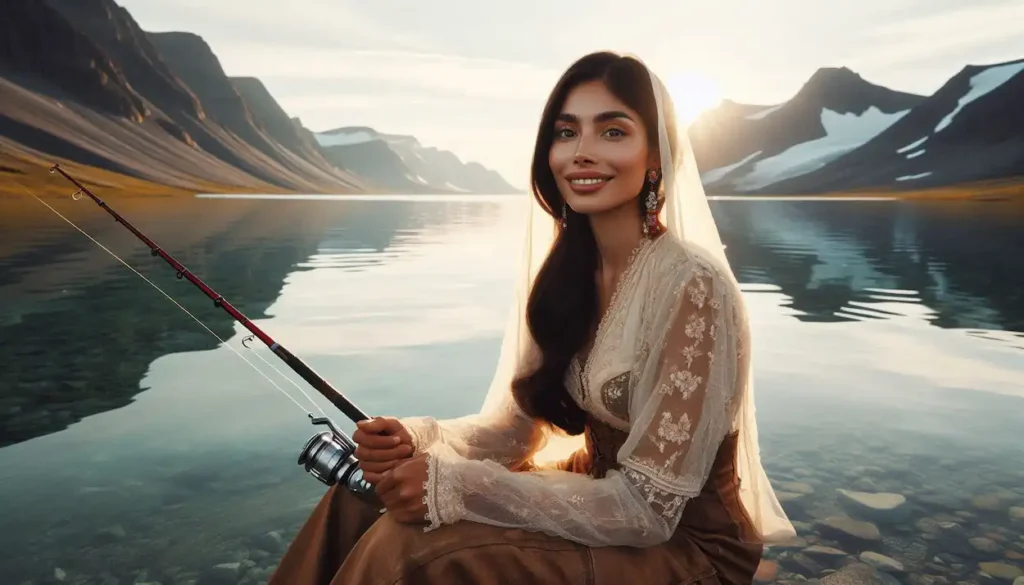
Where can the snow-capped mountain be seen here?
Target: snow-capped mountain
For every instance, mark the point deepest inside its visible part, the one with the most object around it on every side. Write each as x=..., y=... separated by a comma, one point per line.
x=744, y=148
x=399, y=162
x=971, y=129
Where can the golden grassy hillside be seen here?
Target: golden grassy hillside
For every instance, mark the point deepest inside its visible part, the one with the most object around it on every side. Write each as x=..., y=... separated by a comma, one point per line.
x=1002, y=189
x=21, y=172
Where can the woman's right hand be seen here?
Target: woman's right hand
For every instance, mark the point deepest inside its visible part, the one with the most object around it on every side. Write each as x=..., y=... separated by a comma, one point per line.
x=382, y=444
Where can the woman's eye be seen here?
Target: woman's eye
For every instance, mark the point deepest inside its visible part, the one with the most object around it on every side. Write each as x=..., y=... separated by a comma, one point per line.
x=564, y=133
x=615, y=133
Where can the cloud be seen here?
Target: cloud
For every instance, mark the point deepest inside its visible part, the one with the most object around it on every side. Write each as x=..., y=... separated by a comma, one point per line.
x=459, y=67
x=924, y=36
x=335, y=23
x=364, y=101
x=438, y=73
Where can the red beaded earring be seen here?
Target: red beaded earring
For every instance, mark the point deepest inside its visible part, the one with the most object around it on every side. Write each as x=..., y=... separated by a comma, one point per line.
x=651, y=205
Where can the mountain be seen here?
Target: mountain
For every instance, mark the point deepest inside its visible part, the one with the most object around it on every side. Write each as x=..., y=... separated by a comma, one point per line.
x=269, y=116
x=148, y=123
x=398, y=162
x=36, y=40
x=744, y=148
x=193, y=61
x=971, y=129
x=83, y=83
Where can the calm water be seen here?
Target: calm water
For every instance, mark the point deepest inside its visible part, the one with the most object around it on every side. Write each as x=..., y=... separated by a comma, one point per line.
x=888, y=340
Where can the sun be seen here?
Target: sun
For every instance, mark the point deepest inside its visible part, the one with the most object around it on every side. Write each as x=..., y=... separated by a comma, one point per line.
x=692, y=93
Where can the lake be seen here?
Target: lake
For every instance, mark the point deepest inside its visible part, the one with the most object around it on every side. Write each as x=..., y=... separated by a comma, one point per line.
x=888, y=346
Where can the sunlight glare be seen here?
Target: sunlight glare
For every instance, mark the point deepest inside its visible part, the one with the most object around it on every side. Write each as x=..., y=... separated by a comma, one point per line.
x=692, y=93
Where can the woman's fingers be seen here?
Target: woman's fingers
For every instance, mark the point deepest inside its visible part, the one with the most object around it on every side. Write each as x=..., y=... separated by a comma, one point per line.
x=382, y=455
x=382, y=424
x=386, y=488
x=372, y=478
x=379, y=467
x=375, y=441
x=379, y=449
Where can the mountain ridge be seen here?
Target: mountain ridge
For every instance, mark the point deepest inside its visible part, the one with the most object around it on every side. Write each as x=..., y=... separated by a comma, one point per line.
x=941, y=142
x=84, y=83
x=821, y=139
x=402, y=162
x=743, y=151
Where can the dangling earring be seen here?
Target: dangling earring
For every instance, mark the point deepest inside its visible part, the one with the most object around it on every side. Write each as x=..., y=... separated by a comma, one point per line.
x=651, y=215
x=565, y=215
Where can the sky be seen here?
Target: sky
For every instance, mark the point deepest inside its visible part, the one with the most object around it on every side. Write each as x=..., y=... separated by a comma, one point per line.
x=471, y=76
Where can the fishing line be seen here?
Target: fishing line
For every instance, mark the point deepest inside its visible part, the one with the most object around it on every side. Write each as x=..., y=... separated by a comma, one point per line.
x=329, y=455
x=189, y=313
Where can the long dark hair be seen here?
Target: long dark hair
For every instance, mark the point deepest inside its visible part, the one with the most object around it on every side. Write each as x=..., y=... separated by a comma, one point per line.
x=562, y=308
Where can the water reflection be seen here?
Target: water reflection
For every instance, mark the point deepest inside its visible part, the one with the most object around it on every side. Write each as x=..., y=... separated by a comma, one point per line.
x=888, y=360
x=70, y=307
x=943, y=262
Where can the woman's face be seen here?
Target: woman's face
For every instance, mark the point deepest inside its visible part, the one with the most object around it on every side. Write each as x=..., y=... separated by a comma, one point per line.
x=599, y=154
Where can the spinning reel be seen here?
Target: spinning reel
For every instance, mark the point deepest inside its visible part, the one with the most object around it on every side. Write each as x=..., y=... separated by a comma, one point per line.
x=329, y=457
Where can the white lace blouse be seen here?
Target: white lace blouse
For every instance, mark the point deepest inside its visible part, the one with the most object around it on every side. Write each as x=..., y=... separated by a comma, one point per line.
x=665, y=366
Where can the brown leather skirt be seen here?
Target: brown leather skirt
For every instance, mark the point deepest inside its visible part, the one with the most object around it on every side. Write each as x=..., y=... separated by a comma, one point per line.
x=348, y=542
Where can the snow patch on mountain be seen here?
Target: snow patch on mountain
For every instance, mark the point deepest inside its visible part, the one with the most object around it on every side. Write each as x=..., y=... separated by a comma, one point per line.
x=982, y=83
x=717, y=174
x=843, y=133
x=914, y=177
x=344, y=138
x=912, y=145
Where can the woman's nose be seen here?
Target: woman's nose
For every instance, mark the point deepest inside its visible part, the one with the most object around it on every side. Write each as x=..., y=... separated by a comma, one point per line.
x=582, y=159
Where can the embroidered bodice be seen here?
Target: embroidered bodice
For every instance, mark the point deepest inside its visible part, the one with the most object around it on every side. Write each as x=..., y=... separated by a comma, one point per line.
x=665, y=367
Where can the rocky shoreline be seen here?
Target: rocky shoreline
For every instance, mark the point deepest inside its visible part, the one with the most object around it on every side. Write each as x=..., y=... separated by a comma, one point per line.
x=874, y=537
x=882, y=528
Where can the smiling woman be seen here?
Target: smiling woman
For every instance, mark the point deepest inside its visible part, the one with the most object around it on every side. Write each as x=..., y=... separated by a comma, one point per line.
x=628, y=342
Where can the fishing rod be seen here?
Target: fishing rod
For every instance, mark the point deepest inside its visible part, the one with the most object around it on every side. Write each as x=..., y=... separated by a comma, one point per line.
x=329, y=456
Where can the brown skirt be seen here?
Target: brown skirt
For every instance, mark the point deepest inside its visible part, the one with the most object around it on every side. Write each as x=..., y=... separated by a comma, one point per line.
x=348, y=542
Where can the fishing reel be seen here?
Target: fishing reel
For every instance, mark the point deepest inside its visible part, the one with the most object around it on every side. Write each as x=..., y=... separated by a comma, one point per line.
x=329, y=457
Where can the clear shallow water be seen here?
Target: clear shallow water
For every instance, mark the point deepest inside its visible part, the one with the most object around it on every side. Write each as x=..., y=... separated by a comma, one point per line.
x=888, y=342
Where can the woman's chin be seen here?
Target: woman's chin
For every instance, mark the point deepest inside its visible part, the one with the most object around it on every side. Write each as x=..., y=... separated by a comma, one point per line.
x=596, y=204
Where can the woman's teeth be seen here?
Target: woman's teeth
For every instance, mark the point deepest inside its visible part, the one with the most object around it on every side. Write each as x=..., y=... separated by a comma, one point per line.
x=587, y=181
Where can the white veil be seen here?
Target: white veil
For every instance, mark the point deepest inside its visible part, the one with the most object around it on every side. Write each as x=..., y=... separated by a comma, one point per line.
x=686, y=214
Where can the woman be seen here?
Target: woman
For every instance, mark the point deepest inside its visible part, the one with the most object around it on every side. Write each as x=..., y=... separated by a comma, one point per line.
x=629, y=342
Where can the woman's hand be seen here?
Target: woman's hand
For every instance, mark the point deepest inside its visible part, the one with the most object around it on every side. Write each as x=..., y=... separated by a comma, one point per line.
x=381, y=445
x=401, y=491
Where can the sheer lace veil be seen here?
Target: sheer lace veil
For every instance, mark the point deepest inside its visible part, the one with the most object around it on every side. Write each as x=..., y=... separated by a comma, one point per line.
x=687, y=215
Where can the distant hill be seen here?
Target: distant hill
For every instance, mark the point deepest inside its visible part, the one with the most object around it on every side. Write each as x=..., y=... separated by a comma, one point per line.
x=400, y=162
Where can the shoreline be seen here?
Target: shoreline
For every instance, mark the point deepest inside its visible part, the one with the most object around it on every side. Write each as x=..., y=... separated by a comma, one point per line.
x=33, y=174
x=1001, y=190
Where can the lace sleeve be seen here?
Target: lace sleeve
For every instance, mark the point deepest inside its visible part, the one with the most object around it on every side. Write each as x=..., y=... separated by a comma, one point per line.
x=506, y=435
x=681, y=420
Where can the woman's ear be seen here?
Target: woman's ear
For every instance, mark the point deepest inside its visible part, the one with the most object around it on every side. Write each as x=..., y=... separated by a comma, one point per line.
x=654, y=160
